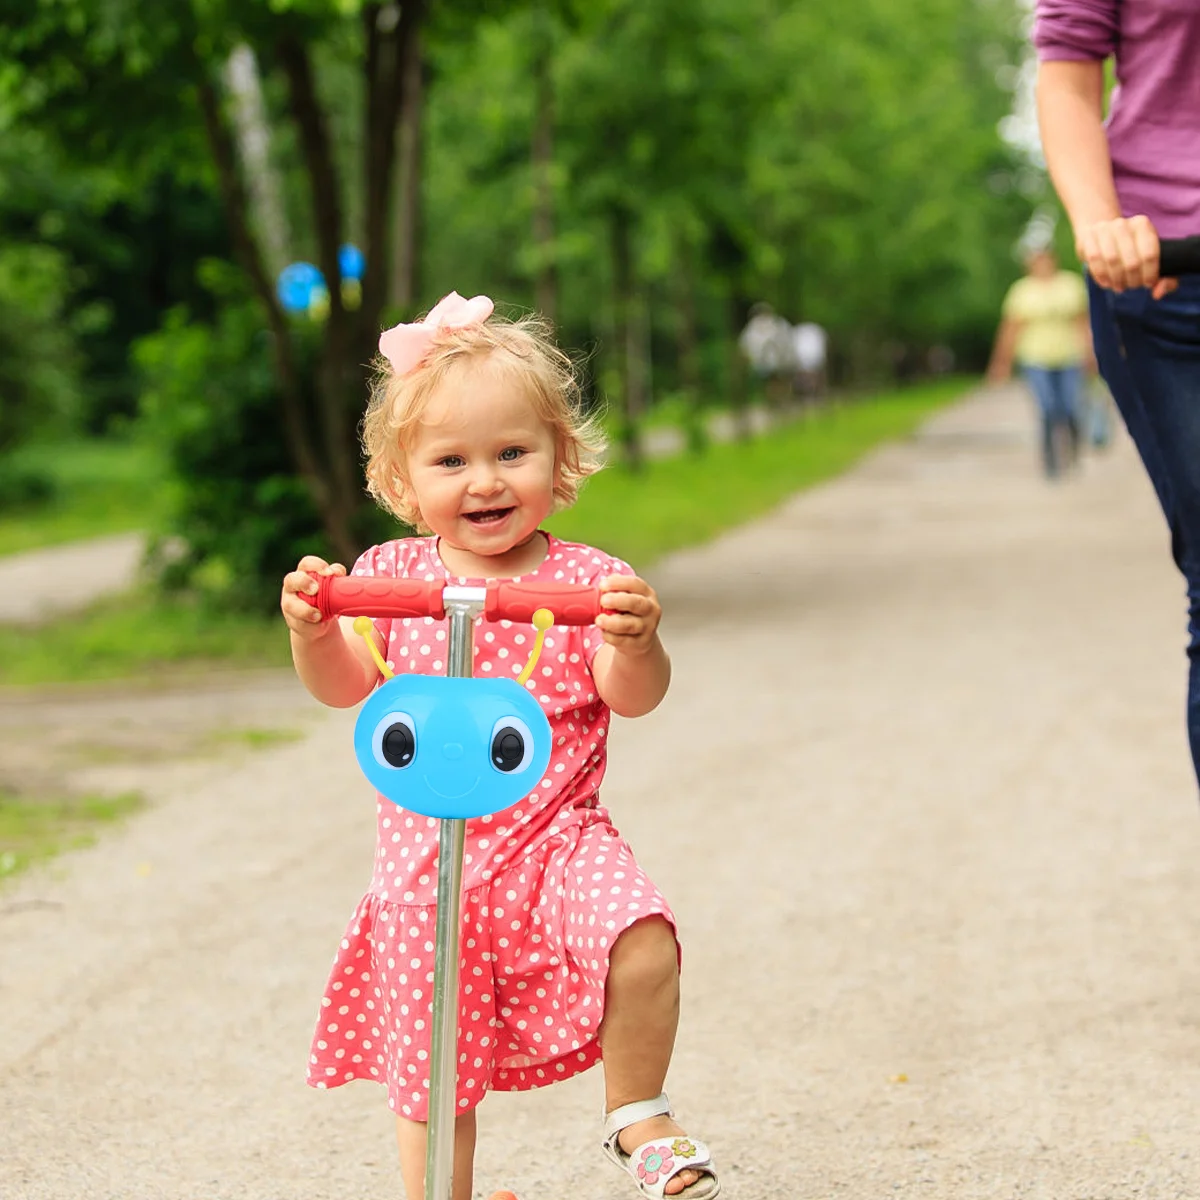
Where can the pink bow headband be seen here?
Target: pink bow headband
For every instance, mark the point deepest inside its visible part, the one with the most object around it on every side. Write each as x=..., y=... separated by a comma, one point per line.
x=405, y=346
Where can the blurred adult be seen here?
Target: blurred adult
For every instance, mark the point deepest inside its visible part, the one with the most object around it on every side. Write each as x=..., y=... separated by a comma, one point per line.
x=1127, y=181
x=1044, y=330
x=766, y=341
x=810, y=345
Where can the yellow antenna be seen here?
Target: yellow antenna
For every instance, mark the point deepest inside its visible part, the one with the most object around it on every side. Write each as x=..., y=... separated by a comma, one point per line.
x=365, y=627
x=543, y=618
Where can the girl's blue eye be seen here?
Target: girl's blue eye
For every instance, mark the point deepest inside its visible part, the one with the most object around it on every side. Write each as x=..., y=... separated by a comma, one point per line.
x=451, y=460
x=511, y=454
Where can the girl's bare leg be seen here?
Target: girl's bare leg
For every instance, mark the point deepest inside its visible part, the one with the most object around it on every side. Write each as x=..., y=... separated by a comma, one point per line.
x=637, y=1035
x=411, y=1136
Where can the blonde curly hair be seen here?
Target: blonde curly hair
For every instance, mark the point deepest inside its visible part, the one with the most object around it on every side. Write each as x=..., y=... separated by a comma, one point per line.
x=524, y=350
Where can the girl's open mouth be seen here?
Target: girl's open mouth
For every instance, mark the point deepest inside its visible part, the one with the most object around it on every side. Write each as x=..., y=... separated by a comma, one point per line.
x=488, y=516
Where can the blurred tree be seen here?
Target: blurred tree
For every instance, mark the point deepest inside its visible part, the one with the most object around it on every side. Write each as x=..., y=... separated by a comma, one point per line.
x=109, y=79
x=642, y=171
x=39, y=383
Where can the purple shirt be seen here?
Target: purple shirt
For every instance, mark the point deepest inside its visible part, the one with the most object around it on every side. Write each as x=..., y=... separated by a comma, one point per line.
x=1154, y=114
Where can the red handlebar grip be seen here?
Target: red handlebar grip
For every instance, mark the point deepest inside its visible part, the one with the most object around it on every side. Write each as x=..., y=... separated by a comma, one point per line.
x=571, y=603
x=370, y=596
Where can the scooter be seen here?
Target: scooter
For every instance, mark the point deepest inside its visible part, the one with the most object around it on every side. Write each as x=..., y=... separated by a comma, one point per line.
x=452, y=747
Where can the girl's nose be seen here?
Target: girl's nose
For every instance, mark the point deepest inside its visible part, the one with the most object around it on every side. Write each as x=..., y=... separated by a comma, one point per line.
x=484, y=482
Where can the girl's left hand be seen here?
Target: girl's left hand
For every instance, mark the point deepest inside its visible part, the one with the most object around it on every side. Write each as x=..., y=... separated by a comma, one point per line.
x=631, y=613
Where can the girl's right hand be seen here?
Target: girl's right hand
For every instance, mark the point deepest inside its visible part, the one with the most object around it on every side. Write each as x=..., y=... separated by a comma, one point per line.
x=1123, y=253
x=301, y=617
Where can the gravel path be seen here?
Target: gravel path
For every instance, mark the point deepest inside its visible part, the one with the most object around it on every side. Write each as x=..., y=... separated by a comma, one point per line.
x=39, y=584
x=920, y=795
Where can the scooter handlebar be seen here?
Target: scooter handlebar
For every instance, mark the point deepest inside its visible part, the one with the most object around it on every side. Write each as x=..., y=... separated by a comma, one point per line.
x=571, y=603
x=1179, y=256
x=370, y=596
x=503, y=600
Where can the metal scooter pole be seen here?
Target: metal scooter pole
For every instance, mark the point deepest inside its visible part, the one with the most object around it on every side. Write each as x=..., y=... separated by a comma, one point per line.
x=463, y=605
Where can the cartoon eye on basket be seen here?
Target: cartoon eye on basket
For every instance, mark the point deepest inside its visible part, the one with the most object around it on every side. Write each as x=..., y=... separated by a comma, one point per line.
x=449, y=747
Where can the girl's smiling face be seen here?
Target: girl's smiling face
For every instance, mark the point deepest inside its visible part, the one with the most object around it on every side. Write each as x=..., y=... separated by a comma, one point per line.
x=482, y=467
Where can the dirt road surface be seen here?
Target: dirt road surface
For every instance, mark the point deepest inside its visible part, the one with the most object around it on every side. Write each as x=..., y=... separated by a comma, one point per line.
x=44, y=583
x=920, y=795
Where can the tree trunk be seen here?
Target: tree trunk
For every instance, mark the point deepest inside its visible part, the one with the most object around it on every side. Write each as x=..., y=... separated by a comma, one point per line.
x=340, y=379
x=236, y=205
x=688, y=343
x=739, y=400
x=542, y=163
x=629, y=337
x=729, y=260
x=267, y=215
x=406, y=212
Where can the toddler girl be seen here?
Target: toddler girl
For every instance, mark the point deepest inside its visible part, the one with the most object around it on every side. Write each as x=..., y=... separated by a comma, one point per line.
x=474, y=435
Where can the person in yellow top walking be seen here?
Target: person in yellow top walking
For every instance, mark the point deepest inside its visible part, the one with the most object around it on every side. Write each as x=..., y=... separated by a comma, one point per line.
x=1044, y=330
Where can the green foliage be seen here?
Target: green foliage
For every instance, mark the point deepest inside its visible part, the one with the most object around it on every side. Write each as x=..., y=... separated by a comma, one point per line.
x=843, y=163
x=38, y=386
x=95, y=488
x=211, y=405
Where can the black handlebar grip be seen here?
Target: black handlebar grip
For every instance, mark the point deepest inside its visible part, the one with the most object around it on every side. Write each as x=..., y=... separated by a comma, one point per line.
x=1179, y=256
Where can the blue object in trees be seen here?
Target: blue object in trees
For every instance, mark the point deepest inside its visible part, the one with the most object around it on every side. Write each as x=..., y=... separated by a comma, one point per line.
x=351, y=262
x=296, y=285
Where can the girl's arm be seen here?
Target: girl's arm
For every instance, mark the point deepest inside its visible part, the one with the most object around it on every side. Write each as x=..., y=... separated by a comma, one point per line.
x=631, y=669
x=333, y=662
x=1119, y=252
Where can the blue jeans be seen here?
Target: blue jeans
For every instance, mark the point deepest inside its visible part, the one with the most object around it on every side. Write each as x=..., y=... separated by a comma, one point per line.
x=1058, y=391
x=1149, y=354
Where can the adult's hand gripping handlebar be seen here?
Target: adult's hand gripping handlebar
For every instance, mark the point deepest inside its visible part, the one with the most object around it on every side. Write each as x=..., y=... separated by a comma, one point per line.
x=503, y=600
x=1179, y=256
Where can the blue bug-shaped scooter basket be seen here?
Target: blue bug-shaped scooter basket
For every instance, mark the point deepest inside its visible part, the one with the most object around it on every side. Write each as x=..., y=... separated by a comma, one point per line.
x=452, y=747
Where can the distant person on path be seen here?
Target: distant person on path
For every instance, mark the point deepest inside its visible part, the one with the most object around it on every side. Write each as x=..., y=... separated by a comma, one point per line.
x=766, y=343
x=810, y=345
x=475, y=434
x=1125, y=182
x=1044, y=330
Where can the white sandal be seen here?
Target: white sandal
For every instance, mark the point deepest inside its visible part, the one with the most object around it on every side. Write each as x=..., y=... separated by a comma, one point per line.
x=653, y=1163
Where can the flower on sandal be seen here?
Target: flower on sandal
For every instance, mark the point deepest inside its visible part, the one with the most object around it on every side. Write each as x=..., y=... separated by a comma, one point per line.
x=683, y=1147
x=656, y=1163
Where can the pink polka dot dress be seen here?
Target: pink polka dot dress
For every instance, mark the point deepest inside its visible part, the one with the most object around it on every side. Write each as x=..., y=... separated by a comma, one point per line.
x=548, y=885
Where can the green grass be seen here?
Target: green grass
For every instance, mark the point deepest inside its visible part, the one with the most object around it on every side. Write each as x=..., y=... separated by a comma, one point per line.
x=33, y=830
x=252, y=739
x=101, y=487
x=684, y=501
x=139, y=635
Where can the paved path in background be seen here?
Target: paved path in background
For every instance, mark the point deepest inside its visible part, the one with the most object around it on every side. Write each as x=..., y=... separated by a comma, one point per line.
x=920, y=795
x=39, y=584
